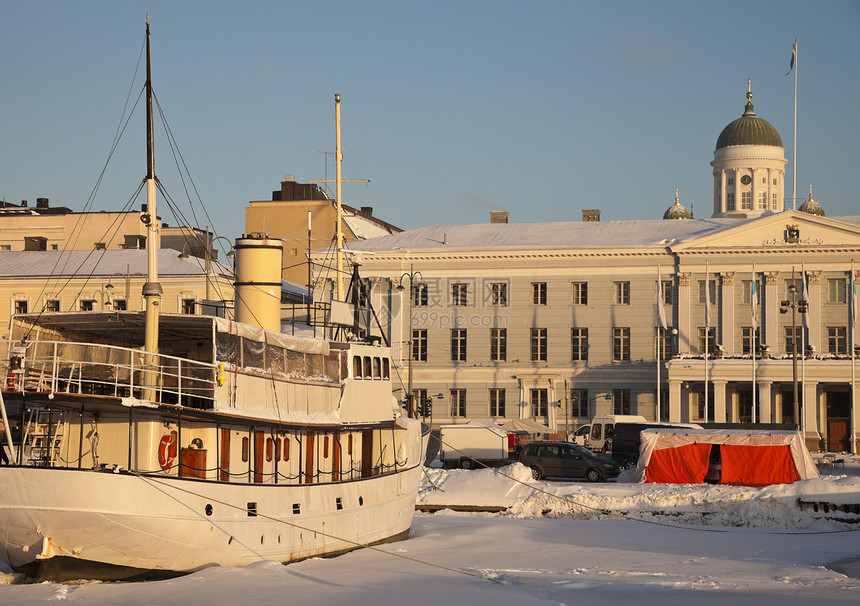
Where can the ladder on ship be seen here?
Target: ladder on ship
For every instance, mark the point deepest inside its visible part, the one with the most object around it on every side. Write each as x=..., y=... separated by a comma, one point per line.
x=43, y=436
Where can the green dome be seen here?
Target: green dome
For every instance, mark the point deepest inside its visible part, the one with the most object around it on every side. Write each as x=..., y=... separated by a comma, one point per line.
x=811, y=207
x=677, y=210
x=749, y=129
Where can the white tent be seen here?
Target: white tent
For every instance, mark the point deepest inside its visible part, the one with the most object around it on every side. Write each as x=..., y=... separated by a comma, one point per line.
x=744, y=457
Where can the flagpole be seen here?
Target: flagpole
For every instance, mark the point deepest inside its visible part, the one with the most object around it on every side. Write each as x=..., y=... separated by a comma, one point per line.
x=794, y=153
x=853, y=371
x=659, y=340
x=753, y=294
x=707, y=331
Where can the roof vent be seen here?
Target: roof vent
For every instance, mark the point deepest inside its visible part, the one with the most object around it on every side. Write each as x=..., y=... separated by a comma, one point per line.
x=367, y=210
x=591, y=214
x=41, y=203
x=35, y=243
x=498, y=216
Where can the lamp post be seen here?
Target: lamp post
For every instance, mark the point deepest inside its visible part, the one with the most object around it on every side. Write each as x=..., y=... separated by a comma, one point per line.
x=795, y=306
x=207, y=255
x=412, y=275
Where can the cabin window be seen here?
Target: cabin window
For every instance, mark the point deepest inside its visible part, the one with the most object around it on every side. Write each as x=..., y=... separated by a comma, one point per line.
x=377, y=368
x=349, y=445
x=368, y=372
x=386, y=368
x=252, y=353
x=356, y=367
x=286, y=456
x=295, y=362
x=325, y=447
x=270, y=449
x=245, y=449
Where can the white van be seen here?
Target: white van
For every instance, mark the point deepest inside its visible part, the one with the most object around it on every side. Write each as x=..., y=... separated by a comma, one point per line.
x=603, y=428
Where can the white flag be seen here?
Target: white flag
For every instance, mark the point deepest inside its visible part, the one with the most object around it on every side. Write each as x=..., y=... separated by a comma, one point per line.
x=853, y=302
x=804, y=297
x=707, y=297
x=661, y=308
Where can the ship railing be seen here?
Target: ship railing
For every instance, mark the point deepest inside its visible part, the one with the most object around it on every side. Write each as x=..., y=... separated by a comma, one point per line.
x=109, y=370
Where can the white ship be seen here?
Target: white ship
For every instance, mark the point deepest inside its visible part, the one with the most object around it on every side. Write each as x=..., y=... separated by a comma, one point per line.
x=145, y=445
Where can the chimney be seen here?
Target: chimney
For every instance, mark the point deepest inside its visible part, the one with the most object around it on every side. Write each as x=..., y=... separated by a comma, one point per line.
x=41, y=203
x=498, y=216
x=23, y=204
x=591, y=214
x=367, y=210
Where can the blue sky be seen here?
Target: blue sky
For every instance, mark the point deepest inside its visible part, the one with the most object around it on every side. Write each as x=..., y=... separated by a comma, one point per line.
x=451, y=109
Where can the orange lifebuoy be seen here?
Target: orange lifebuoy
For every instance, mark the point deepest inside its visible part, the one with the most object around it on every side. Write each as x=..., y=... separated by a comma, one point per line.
x=167, y=450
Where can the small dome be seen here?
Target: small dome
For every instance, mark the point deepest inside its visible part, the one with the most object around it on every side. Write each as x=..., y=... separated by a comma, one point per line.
x=749, y=129
x=677, y=210
x=811, y=206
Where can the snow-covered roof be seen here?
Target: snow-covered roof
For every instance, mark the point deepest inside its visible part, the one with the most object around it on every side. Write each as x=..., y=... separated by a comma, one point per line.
x=36, y=263
x=364, y=228
x=569, y=234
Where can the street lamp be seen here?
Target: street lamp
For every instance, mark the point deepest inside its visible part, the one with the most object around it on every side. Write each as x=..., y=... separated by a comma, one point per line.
x=207, y=254
x=796, y=307
x=412, y=275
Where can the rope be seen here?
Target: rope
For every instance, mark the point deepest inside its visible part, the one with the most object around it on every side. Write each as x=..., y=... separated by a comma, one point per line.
x=625, y=516
x=317, y=531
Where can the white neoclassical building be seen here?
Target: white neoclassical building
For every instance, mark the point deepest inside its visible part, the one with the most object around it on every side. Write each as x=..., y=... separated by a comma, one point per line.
x=556, y=322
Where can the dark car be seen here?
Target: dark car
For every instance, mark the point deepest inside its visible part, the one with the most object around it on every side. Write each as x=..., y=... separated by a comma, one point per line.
x=565, y=460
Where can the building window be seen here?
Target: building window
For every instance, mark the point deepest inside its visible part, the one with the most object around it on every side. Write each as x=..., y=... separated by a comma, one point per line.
x=667, y=292
x=189, y=306
x=120, y=305
x=458, y=402
x=540, y=402
x=620, y=344
x=837, y=290
x=837, y=340
x=419, y=295
x=792, y=333
x=773, y=202
x=621, y=401
x=497, y=402
x=730, y=181
x=747, y=340
x=5, y=247
x=538, y=345
x=87, y=304
x=498, y=344
x=458, y=344
x=579, y=293
x=20, y=307
x=746, y=200
x=538, y=293
x=52, y=305
x=579, y=344
x=665, y=343
x=419, y=344
x=622, y=293
x=579, y=403
x=712, y=339
x=712, y=291
x=762, y=200
x=459, y=294
x=100, y=246
x=499, y=293
x=730, y=199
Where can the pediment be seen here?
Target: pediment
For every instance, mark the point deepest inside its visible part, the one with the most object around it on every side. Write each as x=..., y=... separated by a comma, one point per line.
x=787, y=230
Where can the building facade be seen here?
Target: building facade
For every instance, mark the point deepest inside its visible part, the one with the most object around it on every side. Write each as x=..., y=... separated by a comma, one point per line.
x=557, y=322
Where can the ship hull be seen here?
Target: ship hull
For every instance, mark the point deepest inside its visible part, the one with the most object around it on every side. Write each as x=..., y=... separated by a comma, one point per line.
x=63, y=524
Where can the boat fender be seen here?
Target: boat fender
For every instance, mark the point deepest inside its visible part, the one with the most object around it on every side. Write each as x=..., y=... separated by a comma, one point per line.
x=167, y=450
x=221, y=377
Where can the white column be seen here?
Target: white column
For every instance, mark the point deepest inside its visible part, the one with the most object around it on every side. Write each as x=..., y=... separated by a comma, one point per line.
x=770, y=317
x=727, y=311
x=683, y=305
x=812, y=433
x=719, y=401
x=765, y=402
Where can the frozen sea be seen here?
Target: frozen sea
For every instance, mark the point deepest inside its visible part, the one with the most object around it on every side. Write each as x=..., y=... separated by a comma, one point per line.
x=560, y=543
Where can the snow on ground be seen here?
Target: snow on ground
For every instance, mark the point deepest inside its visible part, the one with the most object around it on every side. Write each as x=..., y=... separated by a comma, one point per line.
x=697, y=544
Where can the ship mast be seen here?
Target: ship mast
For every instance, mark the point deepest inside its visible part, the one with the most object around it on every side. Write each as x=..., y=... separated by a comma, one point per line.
x=152, y=290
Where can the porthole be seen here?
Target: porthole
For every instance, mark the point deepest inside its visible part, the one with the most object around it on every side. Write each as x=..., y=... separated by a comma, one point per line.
x=208, y=509
x=360, y=501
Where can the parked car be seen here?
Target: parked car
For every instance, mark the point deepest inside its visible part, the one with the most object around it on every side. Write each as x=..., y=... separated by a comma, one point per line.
x=565, y=460
x=580, y=436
